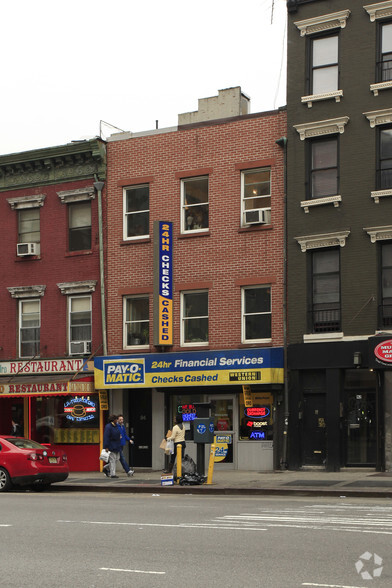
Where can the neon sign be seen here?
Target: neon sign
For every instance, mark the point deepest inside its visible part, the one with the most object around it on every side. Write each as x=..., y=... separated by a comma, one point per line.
x=80, y=409
x=188, y=412
x=257, y=435
x=257, y=412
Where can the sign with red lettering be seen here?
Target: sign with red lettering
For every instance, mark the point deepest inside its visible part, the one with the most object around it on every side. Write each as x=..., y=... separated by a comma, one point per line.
x=257, y=412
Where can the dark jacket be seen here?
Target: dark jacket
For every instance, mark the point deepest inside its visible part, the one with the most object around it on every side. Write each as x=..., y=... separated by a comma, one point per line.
x=16, y=431
x=112, y=438
x=123, y=433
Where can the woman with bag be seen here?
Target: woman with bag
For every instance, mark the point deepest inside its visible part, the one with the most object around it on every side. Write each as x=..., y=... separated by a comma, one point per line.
x=178, y=437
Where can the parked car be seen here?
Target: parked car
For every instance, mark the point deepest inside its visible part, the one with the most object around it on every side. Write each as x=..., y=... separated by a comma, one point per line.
x=27, y=463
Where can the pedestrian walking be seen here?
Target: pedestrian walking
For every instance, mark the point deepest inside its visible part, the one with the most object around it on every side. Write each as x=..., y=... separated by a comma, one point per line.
x=112, y=443
x=124, y=439
x=178, y=437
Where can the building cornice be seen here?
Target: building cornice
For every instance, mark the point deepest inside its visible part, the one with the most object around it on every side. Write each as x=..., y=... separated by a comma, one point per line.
x=321, y=127
x=65, y=163
x=379, y=10
x=325, y=22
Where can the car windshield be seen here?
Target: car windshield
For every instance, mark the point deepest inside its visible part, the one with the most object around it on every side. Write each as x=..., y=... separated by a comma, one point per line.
x=25, y=443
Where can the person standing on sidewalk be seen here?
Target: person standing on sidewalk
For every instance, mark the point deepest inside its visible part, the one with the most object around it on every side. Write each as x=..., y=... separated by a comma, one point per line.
x=124, y=438
x=112, y=443
x=178, y=436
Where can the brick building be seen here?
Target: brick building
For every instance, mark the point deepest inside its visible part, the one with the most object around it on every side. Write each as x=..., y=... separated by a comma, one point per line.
x=215, y=182
x=339, y=232
x=50, y=297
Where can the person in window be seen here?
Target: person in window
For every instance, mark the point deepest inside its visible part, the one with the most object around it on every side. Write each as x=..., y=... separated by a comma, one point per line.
x=124, y=438
x=16, y=429
x=178, y=436
x=112, y=443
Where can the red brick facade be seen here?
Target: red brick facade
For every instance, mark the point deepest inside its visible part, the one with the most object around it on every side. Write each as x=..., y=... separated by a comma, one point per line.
x=222, y=260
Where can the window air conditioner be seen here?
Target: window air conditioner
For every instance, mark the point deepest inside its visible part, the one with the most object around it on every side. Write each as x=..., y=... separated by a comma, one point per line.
x=255, y=217
x=23, y=249
x=80, y=347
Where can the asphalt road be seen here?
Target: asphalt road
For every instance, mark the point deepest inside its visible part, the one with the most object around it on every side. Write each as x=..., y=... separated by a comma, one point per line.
x=105, y=540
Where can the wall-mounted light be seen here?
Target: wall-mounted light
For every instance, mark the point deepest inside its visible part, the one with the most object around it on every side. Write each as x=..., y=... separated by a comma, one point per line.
x=357, y=359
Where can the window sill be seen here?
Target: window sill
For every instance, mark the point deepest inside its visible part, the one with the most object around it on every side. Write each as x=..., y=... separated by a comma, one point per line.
x=337, y=95
x=136, y=348
x=322, y=337
x=258, y=343
x=380, y=194
x=197, y=346
x=305, y=204
x=375, y=88
x=135, y=241
x=22, y=258
x=189, y=234
x=77, y=253
x=250, y=228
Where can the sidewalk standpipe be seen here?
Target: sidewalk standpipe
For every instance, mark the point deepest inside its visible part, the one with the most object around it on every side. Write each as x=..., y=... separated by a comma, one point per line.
x=211, y=464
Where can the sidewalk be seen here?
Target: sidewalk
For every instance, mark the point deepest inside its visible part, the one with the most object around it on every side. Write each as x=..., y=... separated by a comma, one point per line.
x=348, y=482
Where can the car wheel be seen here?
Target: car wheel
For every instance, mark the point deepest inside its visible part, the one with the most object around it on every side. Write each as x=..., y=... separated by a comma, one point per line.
x=5, y=480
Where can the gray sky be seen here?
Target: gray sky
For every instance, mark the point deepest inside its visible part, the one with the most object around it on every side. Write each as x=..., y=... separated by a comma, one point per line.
x=68, y=65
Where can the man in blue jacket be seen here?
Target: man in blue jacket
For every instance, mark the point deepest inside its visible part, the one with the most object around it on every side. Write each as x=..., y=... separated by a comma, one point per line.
x=112, y=443
x=124, y=438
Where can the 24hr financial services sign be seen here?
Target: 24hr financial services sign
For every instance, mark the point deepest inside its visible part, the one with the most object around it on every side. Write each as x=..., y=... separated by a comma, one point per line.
x=209, y=368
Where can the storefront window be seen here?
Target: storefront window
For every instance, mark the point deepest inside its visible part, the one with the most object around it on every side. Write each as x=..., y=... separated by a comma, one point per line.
x=65, y=419
x=186, y=406
x=256, y=416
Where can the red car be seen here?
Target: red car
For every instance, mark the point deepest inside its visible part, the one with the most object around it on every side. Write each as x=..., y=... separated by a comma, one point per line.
x=26, y=463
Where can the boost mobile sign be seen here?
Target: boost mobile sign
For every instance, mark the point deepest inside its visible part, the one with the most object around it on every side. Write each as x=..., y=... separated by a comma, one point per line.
x=210, y=368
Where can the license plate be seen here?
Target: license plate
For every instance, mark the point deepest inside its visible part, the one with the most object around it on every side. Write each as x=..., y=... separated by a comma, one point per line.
x=52, y=459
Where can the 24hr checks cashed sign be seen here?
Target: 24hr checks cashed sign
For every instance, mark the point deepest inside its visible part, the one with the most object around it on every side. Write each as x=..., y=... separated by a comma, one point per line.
x=163, y=283
x=199, y=368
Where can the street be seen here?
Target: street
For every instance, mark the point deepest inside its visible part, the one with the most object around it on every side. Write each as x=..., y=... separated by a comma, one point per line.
x=97, y=540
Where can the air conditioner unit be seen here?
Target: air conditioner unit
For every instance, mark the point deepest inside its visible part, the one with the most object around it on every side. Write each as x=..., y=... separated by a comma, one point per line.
x=80, y=347
x=23, y=249
x=255, y=217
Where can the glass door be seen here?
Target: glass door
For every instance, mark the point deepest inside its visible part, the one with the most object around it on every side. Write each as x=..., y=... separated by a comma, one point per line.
x=361, y=428
x=224, y=413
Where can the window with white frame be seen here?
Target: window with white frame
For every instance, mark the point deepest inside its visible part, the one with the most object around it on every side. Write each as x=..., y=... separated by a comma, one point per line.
x=136, y=211
x=79, y=226
x=29, y=327
x=136, y=321
x=194, y=321
x=323, y=167
x=256, y=313
x=256, y=196
x=324, y=68
x=29, y=226
x=384, y=65
x=80, y=317
x=194, y=198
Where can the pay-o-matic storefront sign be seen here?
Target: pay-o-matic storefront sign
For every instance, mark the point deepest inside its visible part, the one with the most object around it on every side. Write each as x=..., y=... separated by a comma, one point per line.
x=210, y=368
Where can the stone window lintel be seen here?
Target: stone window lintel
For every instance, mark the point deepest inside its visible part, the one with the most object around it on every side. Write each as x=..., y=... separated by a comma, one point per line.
x=33, y=201
x=68, y=196
x=379, y=233
x=379, y=117
x=26, y=291
x=323, y=23
x=322, y=240
x=321, y=127
x=84, y=287
x=379, y=10
x=306, y=204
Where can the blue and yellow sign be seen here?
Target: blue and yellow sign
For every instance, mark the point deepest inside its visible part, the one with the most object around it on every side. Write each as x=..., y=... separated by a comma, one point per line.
x=163, y=283
x=198, y=368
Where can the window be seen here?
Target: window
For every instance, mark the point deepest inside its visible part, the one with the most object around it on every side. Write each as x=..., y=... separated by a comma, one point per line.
x=385, y=159
x=386, y=286
x=324, y=65
x=79, y=325
x=136, y=321
x=194, y=318
x=256, y=313
x=194, y=196
x=79, y=226
x=384, y=66
x=136, y=211
x=325, y=311
x=28, y=225
x=323, y=169
x=29, y=328
x=256, y=196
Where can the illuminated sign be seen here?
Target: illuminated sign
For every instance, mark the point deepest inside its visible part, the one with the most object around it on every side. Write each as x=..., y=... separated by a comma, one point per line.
x=163, y=283
x=257, y=412
x=188, y=412
x=257, y=435
x=80, y=409
x=193, y=368
x=383, y=351
x=48, y=366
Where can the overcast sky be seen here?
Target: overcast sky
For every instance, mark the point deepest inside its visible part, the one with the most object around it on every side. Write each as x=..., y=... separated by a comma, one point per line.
x=68, y=65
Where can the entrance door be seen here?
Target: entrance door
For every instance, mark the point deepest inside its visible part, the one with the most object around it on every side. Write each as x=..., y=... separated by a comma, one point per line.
x=140, y=427
x=361, y=428
x=314, y=430
x=224, y=413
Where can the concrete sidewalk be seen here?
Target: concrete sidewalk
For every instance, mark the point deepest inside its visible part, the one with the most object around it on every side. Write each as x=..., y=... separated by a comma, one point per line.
x=306, y=482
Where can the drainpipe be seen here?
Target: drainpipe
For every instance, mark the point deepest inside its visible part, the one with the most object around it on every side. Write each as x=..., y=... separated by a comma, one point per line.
x=98, y=185
x=282, y=142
